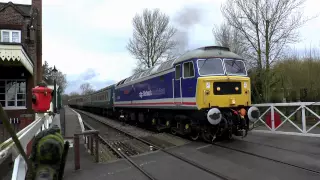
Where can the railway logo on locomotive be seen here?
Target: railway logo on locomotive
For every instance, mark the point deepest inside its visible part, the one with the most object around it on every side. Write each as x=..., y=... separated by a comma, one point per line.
x=145, y=93
x=159, y=91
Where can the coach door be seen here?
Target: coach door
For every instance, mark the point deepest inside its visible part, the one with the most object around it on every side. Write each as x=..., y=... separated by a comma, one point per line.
x=177, y=85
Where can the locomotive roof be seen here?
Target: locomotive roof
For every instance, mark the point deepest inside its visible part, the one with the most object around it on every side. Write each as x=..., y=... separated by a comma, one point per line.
x=208, y=52
x=203, y=52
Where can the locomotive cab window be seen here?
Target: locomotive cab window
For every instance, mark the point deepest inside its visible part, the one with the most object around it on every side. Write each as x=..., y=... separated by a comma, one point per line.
x=212, y=66
x=236, y=67
x=188, y=70
x=178, y=72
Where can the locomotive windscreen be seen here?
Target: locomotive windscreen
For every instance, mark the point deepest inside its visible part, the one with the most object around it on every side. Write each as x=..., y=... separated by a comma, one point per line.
x=236, y=67
x=214, y=66
x=210, y=66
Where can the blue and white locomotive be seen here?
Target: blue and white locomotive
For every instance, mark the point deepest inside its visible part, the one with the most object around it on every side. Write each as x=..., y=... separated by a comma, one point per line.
x=204, y=93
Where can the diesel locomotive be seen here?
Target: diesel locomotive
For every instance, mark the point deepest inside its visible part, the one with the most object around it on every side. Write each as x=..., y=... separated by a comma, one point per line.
x=204, y=93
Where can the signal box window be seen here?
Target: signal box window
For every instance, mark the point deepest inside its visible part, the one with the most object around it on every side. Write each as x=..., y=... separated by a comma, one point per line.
x=188, y=70
x=11, y=36
x=13, y=93
x=178, y=71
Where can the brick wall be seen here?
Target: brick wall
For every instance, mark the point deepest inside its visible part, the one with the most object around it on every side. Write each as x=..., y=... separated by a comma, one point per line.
x=11, y=16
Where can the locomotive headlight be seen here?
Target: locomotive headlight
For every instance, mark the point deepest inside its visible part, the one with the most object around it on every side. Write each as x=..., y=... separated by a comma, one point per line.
x=253, y=114
x=214, y=116
x=218, y=89
x=236, y=88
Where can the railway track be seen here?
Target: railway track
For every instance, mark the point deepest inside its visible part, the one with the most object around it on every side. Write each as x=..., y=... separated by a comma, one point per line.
x=264, y=157
x=277, y=147
x=125, y=152
x=121, y=151
x=117, y=139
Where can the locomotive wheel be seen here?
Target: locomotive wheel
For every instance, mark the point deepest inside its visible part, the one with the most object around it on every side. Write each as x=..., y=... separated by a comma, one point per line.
x=174, y=132
x=194, y=135
x=207, y=136
x=229, y=135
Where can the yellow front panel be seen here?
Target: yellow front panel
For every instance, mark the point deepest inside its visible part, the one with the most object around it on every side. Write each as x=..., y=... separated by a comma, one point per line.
x=206, y=97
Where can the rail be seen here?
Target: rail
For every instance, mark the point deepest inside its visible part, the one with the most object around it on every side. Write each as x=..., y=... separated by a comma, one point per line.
x=25, y=136
x=273, y=123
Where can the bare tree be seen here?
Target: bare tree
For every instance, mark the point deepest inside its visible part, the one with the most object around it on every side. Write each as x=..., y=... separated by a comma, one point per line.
x=73, y=94
x=268, y=27
x=152, y=40
x=47, y=75
x=86, y=88
x=227, y=36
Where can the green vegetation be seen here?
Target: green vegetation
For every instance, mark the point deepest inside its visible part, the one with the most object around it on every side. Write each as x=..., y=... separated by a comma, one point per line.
x=293, y=79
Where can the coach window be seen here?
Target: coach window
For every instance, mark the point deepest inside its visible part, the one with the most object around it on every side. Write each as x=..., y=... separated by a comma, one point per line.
x=178, y=71
x=188, y=70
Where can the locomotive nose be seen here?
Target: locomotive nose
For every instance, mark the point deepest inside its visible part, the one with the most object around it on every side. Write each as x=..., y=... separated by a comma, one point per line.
x=214, y=116
x=253, y=114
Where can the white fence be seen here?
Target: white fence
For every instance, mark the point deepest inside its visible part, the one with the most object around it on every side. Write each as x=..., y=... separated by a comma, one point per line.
x=42, y=121
x=303, y=107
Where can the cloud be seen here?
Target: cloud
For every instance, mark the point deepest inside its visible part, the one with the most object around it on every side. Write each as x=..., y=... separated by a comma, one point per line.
x=109, y=17
x=81, y=35
x=73, y=59
x=74, y=85
x=87, y=40
x=89, y=74
x=76, y=42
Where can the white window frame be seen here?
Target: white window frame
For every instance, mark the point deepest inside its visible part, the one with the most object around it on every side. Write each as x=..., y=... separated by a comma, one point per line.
x=244, y=64
x=194, y=71
x=10, y=35
x=204, y=75
x=6, y=107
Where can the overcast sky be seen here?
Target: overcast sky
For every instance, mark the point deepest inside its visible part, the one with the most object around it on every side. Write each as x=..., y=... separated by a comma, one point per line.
x=86, y=39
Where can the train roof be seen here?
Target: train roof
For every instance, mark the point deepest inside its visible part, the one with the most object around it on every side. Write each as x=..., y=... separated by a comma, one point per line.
x=103, y=89
x=208, y=52
x=96, y=92
x=203, y=52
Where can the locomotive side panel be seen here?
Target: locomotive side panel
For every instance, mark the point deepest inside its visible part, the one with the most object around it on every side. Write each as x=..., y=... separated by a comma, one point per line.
x=156, y=92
